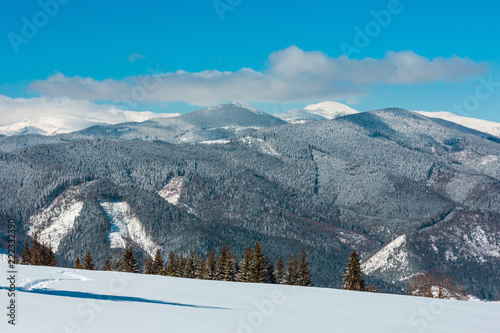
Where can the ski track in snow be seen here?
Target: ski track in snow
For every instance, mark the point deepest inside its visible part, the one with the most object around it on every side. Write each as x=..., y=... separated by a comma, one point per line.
x=125, y=225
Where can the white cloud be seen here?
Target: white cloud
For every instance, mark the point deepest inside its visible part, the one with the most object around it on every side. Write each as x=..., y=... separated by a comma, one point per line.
x=293, y=75
x=64, y=114
x=134, y=56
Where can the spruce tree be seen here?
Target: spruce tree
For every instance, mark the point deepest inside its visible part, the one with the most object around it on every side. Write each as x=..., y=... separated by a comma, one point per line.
x=129, y=263
x=158, y=263
x=230, y=268
x=304, y=275
x=149, y=267
x=353, y=278
x=292, y=270
x=35, y=251
x=245, y=266
x=52, y=261
x=88, y=262
x=270, y=277
x=180, y=267
x=171, y=267
x=26, y=254
x=107, y=263
x=78, y=264
x=209, y=269
x=191, y=268
x=279, y=271
x=258, y=270
x=221, y=262
x=43, y=256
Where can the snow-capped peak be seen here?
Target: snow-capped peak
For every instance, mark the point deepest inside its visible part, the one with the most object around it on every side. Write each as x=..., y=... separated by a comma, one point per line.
x=481, y=125
x=330, y=109
x=249, y=107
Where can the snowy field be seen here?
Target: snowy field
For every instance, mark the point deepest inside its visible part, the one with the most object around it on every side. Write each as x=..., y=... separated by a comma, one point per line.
x=68, y=300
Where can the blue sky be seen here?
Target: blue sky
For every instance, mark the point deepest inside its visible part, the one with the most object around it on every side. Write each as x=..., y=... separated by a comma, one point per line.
x=182, y=55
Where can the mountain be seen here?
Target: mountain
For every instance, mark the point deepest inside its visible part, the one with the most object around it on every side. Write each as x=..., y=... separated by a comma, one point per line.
x=213, y=123
x=72, y=121
x=57, y=300
x=412, y=194
x=485, y=126
x=317, y=112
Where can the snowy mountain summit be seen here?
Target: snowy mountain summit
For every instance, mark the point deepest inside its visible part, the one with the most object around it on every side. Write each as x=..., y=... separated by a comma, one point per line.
x=317, y=112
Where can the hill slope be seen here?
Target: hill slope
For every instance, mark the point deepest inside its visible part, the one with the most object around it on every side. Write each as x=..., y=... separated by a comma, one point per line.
x=58, y=299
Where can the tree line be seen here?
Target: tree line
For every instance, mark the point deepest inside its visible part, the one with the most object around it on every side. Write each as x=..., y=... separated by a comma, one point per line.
x=38, y=254
x=254, y=266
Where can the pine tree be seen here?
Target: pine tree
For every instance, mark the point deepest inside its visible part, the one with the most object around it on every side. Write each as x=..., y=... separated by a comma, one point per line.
x=149, y=267
x=279, y=271
x=191, y=268
x=292, y=270
x=258, y=270
x=26, y=254
x=158, y=263
x=43, y=256
x=230, y=268
x=220, y=263
x=117, y=263
x=78, y=264
x=245, y=266
x=180, y=267
x=171, y=267
x=35, y=251
x=270, y=277
x=88, y=262
x=353, y=279
x=107, y=263
x=304, y=275
x=209, y=266
x=129, y=263
x=52, y=261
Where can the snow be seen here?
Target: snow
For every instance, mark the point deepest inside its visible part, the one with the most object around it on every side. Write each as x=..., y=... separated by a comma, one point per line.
x=172, y=191
x=55, y=221
x=316, y=112
x=390, y=256
x=216, y=142
x=71, y=119
x=485, y=126
x=330, y=109
x=125, y=227
x=52, y=299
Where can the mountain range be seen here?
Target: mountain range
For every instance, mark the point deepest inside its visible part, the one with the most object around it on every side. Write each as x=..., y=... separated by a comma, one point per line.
x=411, y=193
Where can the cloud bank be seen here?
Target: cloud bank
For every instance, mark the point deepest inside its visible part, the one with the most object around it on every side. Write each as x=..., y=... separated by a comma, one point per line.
x=292, y=75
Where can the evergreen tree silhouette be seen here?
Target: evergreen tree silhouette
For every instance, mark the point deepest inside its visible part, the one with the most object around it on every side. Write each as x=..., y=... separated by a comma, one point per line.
x=353, y=278
x=107, y=263
x=129, y=263
x=279, y=271
x=149, y=267
x=171, y=267
x=158, y=263
x=88, y=263
x=304, y=276
x=78, y=264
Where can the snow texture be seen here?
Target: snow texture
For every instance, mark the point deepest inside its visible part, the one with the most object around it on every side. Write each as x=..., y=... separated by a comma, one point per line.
x=55, y=221
x=55, y=300
x=125, y=227
x=172, y=191
x=390, y=256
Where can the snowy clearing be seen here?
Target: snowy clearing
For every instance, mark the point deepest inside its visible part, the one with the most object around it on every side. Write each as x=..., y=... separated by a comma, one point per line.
x=126, y=226
x=66, y=300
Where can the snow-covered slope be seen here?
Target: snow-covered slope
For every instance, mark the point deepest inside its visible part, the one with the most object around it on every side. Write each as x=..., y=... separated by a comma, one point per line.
x=481, y=125
x=73, y=120
x=68, y=300
x=53, y=223
x=315, y=112
x=126, y=227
